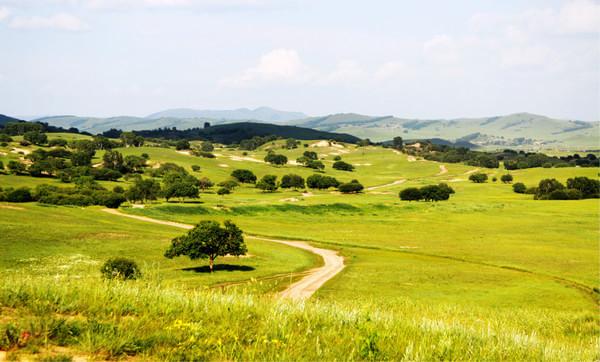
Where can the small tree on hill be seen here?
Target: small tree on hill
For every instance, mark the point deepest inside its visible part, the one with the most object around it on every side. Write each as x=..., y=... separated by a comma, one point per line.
x=35, y=137
x=209, y=240
x=478, y=178
x=519, y=188
x=292, y=181
x=410, y=194
x=276, y=159
x=182, y=145
x=508, y=178
x=207, y=146
x=343, y=166
x=244, y=176
x=267, y=183
x=351, y=187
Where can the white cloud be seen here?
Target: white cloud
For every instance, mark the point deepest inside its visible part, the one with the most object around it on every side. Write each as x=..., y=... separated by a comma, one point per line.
x=133, y=4
x=4, y=13
x=277, y=66
x=580, y=16
x=345, y=72
x=61, y=21
x=441, y=49
x=392, y=70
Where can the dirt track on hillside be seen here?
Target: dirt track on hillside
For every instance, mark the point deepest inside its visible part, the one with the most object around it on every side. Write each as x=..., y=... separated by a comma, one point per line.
x=302, y=289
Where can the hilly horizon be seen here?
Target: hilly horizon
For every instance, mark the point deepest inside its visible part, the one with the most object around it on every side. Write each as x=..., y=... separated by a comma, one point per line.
x=514, y=130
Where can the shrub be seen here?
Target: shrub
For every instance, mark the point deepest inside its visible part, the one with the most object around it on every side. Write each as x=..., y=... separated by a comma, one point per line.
x=22, y=194
x=558, y=195
x=207, y=146
x=337, y=158
x=244, y=176
x=267, y=183
x=351, y=187
x=478, y=178
x=343, y=166
x=118, y=189
x=292, y=181
x=588, y=187
x=228, y=184
x=182, y=145
x=276, y=159
x=494, y=179
x=438, y=192
x=120, y=268
x=508, y=178
x=223, y=191
x=57, y=142
x=321, y=182
x=195, y=168
x=519, y=188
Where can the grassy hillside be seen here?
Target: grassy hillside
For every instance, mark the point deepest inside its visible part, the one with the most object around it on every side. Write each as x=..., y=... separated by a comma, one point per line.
x=520, y=129
x=487, y=275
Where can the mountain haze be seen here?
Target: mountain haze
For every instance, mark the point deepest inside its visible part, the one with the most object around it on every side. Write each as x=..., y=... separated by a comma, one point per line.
x=264, y=114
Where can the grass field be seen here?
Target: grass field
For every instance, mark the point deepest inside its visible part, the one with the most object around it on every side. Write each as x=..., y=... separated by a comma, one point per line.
x=489, y=274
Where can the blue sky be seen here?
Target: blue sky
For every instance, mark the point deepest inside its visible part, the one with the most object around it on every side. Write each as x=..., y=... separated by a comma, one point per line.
x=423, y=59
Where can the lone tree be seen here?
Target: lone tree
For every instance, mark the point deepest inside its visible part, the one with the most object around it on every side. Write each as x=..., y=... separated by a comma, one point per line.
x=508, y=178
x=276, y=159
x=478, y=178
x=268, y=183
x=209, y=240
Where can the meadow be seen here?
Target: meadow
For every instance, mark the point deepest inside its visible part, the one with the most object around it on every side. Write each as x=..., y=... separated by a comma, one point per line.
x=489, y=274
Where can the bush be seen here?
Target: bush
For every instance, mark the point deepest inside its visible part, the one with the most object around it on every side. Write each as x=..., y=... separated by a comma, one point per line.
x=223, y=191
x=519, y=188
x=508, y=178
x=292, y=181
x=22, y=194
x=321, y=182
x=438, y=192
x=244, y=176
x=228, y=184
x=182, y=145
x=337, y=158
x=120, y=268
x=57, y=142
x=267, y=183
x=351, y=187
x=589, y=188
x=343, y=166
x=410, y=194
x=195, y=168
x=478, y=178
x=276, y=159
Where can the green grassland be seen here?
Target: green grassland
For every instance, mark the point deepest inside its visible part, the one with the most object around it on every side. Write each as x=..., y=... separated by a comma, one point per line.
x=489, y=274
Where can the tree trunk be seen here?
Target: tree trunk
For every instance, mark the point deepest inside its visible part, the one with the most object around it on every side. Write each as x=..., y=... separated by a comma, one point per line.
x=210, y=263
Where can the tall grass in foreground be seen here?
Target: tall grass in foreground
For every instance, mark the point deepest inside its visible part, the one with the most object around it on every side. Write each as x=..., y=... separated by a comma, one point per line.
x=111, y=320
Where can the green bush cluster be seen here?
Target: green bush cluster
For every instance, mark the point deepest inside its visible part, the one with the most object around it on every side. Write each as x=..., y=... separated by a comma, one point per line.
x=438, y=192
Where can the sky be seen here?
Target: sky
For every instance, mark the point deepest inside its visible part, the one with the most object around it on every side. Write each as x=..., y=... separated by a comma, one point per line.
x=413, y=59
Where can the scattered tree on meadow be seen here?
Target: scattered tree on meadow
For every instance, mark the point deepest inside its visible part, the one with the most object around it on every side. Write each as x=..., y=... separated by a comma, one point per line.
x=508, y=178
x=410, y=194
x=519, y=188
x=291, y=143
x=588, y=187
x=180, y=185
x=351, y=187
x=81, y=158
x=209, y=240
x=223, y=191
x=131, y=139
x=15, y=167
x=57, y=142
x=207, y=146
x=35, y=137
x=292, y=181
x=268, y=183
x=276, y=159
x=182, y=145
x=244, y=176
x=143, y=190
x=343, y=166
x=321, y=182
x=438, y=192
x=478, y=178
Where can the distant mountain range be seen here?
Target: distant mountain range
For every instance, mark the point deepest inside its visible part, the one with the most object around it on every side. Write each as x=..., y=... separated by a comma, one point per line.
x=519, y=129
x=264, y=114
x=516, y=130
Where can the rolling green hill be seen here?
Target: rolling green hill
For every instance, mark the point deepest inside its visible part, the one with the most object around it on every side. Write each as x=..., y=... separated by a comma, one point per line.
x=519, y=129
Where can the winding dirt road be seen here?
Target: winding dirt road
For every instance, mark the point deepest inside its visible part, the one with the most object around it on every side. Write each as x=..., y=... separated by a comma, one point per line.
x=302, y=289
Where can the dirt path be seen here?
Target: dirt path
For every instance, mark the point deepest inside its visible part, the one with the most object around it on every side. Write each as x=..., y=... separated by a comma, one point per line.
x=397, y=182
x=302, y=289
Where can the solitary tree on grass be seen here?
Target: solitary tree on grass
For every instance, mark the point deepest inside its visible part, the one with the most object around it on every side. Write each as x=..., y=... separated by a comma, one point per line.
x=209, y=240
